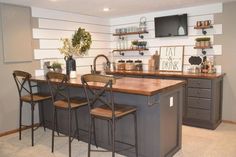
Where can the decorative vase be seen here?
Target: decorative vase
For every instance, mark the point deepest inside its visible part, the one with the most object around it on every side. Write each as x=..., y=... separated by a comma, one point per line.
x=70, y=64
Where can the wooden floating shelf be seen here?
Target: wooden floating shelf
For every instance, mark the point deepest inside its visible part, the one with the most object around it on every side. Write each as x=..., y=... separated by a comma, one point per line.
x=203, y=47
x=131, y=50
x=203, y=27
x=130, y=33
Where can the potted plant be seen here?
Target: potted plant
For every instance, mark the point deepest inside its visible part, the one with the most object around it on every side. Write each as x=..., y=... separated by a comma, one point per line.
x=78, y=45
x=56, y=67
x=203, y=42
x=134, y=44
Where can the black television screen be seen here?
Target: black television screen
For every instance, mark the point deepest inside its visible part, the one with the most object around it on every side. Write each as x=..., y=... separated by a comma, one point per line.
x=176, y=25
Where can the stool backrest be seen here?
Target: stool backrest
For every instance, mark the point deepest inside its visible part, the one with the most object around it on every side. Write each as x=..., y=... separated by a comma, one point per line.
x=22, y=80
x=98, y=94
x=58, y=86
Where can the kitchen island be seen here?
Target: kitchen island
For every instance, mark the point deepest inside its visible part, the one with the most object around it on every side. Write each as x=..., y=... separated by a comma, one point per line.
x=159, y=114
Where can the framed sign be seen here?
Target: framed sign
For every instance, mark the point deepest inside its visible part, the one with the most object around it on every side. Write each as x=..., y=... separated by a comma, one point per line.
x=171, y=58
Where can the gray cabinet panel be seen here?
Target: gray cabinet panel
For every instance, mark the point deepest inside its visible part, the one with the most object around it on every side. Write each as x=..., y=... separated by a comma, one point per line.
x=198, y=92
x=198, y=114
x=199, y=83
x=17, y=33
x=200, y=103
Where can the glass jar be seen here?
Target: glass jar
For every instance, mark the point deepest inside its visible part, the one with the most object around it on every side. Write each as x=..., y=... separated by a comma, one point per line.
x=138, y=65
x=129, y=65
x=121, y=65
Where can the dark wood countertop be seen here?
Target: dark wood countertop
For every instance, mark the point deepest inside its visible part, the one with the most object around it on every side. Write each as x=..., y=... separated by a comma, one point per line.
x=167, y=74
x=140, y=86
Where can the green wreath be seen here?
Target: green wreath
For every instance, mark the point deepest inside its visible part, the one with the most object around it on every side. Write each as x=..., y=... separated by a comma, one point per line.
x=81, y=41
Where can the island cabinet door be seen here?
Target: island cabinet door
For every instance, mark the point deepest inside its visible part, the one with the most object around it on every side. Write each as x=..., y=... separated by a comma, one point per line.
x=171, y=121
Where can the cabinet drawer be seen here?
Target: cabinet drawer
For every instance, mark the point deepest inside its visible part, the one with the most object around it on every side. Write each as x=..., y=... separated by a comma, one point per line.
x=198, y=114
x=197, y=92
x=200, y=83
x=199, y=103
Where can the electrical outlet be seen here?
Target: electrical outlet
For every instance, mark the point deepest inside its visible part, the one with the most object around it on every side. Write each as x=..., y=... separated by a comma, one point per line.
x=171, y=101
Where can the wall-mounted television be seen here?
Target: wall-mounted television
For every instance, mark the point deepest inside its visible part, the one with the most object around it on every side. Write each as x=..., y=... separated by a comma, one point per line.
x=175, y=25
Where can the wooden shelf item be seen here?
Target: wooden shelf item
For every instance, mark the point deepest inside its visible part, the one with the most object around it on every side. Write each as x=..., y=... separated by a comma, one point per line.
x=140, y=50
x=132, y=33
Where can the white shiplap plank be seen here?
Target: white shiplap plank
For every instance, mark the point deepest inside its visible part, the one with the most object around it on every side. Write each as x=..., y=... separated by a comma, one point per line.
x=217, y=29
x=150, y=24
x=172, y=41
x=54, y=44
x=54, y=53
x=192, y=20
x=67, y=25
x=58, y=34
x=66, y=16
x=191, y=11
x=216, y=50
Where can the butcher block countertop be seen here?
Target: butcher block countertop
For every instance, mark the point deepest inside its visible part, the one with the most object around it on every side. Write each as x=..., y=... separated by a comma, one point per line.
x=167, y=74
x=140, y=86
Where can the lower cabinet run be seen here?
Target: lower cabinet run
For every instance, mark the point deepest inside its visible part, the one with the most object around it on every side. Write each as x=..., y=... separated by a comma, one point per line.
x=203, y=103
x=203, y=96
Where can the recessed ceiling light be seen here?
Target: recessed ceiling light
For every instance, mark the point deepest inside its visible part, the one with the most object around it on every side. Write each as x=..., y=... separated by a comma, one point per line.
x=106, y=9
x=53, y=0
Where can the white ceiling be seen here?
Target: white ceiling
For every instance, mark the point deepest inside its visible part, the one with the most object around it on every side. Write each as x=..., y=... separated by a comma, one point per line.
x=118, y=7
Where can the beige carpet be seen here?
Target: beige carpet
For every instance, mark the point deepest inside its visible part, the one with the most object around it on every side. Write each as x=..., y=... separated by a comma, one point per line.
x=196, y=143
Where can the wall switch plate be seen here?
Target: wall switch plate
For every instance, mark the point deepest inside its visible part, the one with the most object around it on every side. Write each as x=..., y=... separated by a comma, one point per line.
x=171, y=101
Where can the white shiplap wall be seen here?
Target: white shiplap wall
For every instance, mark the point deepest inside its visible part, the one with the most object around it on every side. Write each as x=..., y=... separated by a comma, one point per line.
x=53, y=25
x=194, y=14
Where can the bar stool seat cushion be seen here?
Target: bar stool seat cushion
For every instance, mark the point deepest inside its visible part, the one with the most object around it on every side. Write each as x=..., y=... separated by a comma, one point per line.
x=74, y=102
x=106, y=112
x=36, y=97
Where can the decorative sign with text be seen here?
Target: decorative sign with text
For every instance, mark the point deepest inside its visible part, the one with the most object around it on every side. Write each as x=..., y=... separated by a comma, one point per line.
x=171, y=58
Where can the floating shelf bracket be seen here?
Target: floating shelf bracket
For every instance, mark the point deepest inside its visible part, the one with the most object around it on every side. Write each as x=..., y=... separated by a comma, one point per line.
x=141, y=53
x=121, y=53
x=204, y=52
x=140, y=36
x=204, y=31
x=121, y=37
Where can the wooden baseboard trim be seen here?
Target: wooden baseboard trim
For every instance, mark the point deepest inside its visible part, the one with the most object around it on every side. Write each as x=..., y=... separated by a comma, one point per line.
x=16, y=130
x=229, y=122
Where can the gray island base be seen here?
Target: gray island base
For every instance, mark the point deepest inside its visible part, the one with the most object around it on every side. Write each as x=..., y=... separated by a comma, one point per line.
x=159, y=117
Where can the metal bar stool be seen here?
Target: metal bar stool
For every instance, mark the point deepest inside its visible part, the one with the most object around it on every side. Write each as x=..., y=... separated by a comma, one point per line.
x=22, y=80
x=107, y=110
x=60, y=92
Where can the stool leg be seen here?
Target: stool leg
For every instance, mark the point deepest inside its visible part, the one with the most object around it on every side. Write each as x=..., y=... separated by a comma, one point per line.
x=94, y=132
x=69, y=116
x=89, y=142
x=56, y=122
x=53, y=126
x=42, y=115
x=108, y=130
x=20, y=120
x=77, y=124
x=113, y=137
x=32, y=124
x=136, y=133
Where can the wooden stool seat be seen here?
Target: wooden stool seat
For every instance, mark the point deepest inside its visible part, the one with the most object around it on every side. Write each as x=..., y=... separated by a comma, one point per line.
x=106, y=112
x=35, y=97
x=74, y=103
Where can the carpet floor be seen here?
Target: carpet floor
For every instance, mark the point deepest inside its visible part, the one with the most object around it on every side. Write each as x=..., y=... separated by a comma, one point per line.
x=196, y=142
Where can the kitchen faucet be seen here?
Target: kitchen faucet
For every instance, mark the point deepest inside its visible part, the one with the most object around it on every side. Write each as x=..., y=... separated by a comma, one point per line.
x=93, y=69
